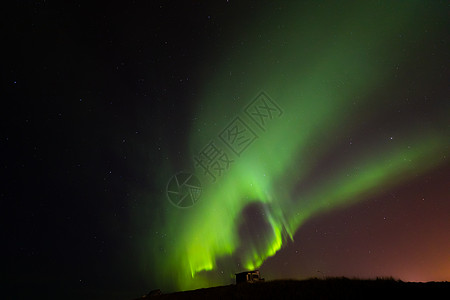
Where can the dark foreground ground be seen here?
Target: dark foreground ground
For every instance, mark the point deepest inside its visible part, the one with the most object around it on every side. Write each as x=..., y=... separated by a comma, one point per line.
x=331, y=288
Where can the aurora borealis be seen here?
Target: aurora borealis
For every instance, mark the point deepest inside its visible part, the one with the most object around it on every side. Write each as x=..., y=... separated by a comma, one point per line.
x=349, y=177
x=328, y=88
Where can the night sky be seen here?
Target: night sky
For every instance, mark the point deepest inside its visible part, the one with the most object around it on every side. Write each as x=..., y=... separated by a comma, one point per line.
x=170, y=145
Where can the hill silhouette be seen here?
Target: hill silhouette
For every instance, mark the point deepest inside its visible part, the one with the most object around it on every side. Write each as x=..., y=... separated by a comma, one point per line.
x=329, y=288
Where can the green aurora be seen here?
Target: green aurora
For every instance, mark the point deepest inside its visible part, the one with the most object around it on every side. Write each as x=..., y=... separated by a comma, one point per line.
x=325, y=66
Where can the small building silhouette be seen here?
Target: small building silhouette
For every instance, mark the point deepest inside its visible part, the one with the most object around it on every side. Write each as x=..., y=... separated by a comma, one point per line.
x=248, y=276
